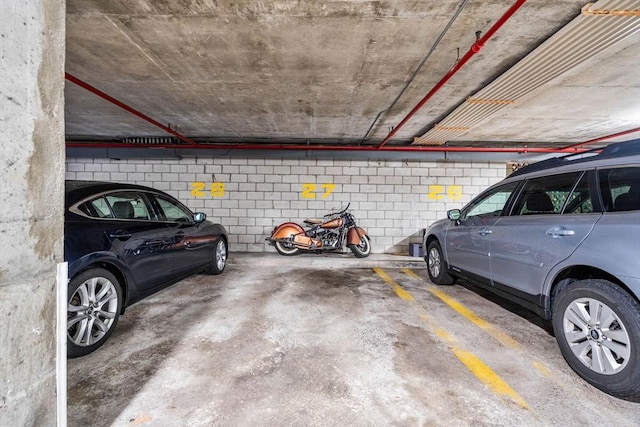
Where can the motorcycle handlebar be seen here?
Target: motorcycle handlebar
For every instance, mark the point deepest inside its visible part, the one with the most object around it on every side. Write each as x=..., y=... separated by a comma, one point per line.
x=339, y=212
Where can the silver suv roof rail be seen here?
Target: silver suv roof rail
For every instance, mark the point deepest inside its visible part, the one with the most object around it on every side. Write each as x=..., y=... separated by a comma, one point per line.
x=618, y=149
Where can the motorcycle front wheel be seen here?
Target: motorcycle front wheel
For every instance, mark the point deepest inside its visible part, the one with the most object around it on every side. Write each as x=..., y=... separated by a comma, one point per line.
x=363, y=249
x=287, y=248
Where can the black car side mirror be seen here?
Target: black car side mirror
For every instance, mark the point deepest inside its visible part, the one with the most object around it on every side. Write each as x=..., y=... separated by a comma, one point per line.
x=199, y=217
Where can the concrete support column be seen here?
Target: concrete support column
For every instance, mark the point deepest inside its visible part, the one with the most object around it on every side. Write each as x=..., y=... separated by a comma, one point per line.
x=31, y=206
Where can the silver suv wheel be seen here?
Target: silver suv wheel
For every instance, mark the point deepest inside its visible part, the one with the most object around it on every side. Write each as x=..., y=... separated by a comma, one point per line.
x=596, y=335
x=436, y=265
x=597, y=327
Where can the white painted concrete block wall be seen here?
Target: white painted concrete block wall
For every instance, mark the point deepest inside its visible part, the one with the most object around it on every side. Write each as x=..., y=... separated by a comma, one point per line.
x=392, y=200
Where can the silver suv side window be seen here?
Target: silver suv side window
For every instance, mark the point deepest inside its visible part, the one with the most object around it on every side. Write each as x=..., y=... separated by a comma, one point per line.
x=620, y=188
x=491, y=203
x=546, y=195
x=579, y=202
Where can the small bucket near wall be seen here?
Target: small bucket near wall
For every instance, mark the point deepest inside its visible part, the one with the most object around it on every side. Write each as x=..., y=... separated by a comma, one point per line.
x=415, y=249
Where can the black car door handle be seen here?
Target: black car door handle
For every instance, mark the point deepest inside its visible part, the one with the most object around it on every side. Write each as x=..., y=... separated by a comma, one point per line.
x=178, y=236
x=120, y=235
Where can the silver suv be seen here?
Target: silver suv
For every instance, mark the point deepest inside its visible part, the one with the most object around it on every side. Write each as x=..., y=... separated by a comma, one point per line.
x=560, y=237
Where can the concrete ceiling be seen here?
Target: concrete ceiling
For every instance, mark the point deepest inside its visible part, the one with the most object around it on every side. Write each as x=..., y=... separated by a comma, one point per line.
x=348, y=73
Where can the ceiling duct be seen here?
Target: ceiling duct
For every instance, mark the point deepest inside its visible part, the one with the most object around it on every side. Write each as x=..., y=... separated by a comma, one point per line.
x=599, y=26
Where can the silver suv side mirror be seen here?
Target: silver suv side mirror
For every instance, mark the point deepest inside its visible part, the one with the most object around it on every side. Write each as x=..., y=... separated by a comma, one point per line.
x=453, y=214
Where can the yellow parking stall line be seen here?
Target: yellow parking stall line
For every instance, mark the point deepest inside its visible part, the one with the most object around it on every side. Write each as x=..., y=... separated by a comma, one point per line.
x=469, y=315
x=478, y=368
x=440, y=333
x=484, y=325
x=399, y=290
x=488, y=376
x=542, y=369
x=483, y=372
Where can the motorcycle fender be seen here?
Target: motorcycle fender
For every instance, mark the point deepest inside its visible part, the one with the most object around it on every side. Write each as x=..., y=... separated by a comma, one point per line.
x=285, y=230
x=353, y=235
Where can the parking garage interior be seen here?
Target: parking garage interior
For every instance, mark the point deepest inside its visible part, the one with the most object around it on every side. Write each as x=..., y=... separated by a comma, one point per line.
x=259, y=112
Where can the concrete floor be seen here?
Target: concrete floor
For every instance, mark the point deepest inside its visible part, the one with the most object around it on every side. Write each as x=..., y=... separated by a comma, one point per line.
x=331, y=341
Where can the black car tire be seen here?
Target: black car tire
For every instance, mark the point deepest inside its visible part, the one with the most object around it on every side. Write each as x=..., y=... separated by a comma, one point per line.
x=597, y=326
x=96, y=298
x=436, y=265
x=219, y=261
x=362, y=250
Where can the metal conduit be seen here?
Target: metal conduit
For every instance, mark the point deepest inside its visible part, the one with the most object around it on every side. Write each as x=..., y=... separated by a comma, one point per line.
x=418, y=68
x=585, y=36
x=474, y=49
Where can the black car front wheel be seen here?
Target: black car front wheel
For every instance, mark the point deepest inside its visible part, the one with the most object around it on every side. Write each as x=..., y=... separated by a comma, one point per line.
x=436, y=265
x=95, y=300
x=219, y=261
x=597, y=326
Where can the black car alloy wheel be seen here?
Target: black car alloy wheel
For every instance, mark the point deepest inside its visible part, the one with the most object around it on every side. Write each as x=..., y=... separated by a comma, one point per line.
x=95, y=300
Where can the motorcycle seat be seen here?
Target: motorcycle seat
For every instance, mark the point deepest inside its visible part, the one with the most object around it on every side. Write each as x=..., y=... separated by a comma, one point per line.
x=313, y=221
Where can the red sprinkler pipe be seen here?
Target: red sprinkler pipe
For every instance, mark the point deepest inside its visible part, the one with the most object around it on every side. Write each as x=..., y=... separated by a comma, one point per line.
x=298, y=147
x=571, y=149
x=602, y=138
x=124, y=106
x=474, y=49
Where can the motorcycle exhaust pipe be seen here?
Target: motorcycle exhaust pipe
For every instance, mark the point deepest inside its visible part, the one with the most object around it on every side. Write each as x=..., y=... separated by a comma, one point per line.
x=300, y=241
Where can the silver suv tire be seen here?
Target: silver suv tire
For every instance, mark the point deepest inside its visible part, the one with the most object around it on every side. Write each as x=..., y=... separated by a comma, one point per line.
x=597, y=327
x=436, y=265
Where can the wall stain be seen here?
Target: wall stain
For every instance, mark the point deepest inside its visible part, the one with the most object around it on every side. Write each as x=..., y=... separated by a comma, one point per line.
x=46, y=195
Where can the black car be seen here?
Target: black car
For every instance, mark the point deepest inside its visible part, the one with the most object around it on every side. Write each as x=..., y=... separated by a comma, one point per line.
x=124, y=242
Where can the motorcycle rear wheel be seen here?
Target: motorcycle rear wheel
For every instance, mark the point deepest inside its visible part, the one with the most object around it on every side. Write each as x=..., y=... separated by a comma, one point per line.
x=286, y=249
x=362, y=250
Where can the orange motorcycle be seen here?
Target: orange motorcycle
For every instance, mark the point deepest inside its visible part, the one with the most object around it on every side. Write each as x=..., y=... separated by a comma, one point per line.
x=331, y=233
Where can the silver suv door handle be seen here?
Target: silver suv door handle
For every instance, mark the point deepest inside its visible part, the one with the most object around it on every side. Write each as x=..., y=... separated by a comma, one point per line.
x=559, y=232
x=484, y=232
